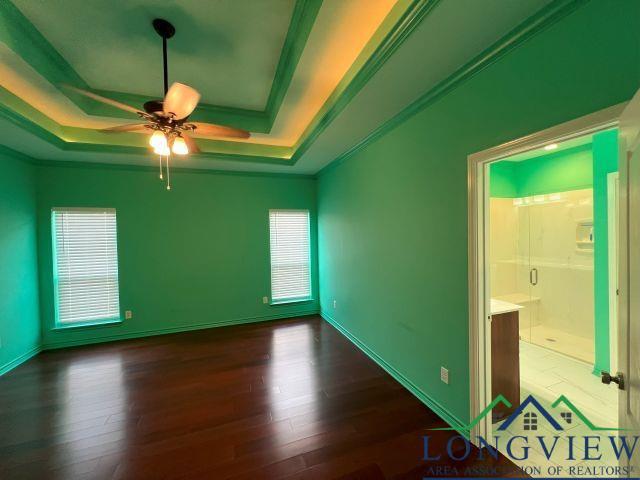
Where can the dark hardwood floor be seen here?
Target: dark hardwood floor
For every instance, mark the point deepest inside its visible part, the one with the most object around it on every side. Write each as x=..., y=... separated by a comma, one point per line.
x=287, y=399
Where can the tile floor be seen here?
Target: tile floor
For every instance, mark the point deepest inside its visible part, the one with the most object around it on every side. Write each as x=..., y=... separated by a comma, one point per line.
x=547, y=375
x=550, y=374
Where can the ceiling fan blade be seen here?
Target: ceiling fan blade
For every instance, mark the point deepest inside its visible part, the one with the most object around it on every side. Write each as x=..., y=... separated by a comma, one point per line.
x=180, y=101
x=191, y=144
x=219, y=130
x=132, y=127
x=100, y=98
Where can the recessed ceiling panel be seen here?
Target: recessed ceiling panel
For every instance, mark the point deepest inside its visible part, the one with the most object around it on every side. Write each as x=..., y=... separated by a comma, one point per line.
x=227, y=49
x=343, y=84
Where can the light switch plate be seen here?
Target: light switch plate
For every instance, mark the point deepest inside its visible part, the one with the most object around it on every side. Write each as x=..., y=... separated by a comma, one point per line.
x=335, y=303
x=128, y=314
x=265, y=300
x=444, y=375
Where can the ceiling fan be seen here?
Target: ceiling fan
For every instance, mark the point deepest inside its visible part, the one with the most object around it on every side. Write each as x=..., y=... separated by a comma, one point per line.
x=167, y=119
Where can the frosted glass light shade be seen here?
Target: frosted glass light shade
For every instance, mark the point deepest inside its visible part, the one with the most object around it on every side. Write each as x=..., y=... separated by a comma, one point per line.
x=158, y=140
x=179, y=146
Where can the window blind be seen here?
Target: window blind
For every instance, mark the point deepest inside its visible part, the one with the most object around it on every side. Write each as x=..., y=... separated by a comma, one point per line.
x=86, y=265
x=290, y=258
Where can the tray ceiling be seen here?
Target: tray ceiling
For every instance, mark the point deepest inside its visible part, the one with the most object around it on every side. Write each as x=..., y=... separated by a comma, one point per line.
x=309, y=78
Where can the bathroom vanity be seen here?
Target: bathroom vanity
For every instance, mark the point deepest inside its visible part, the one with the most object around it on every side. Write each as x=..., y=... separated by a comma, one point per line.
x=505, y=356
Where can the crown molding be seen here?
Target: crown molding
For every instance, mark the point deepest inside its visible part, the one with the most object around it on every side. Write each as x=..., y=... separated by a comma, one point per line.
x=234, y=150
x=417, y=11
x=302, y=21
x=547, y=16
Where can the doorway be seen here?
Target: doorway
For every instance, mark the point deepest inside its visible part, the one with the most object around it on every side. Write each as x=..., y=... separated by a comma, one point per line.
x=537, y=272
x=549, y=278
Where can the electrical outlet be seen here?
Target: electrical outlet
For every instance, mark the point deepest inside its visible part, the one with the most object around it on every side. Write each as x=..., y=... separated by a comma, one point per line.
x=335, y=303
x=128, y=314
x=444, y=375
x=265, y=300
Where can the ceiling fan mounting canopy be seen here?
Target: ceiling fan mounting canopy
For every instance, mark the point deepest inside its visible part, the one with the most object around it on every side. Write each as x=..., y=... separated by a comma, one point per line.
x=164, y=28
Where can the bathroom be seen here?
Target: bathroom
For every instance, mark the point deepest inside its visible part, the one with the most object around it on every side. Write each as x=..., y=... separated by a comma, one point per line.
x=552, y=244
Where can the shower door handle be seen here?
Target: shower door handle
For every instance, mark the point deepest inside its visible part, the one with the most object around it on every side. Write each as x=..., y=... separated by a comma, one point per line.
x=533, y=276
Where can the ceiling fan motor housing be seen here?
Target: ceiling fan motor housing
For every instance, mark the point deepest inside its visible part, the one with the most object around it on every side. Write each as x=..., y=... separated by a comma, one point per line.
x=153, y=106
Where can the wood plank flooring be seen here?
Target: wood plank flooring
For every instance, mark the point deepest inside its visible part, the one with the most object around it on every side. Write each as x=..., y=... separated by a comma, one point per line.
x=288, y=399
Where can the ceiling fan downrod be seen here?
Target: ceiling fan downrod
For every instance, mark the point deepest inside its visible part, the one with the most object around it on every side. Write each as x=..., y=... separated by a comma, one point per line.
x=166, y=30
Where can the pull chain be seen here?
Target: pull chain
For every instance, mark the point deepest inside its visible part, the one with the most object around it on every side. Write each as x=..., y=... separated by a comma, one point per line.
x=160, y=158
x=168, y=175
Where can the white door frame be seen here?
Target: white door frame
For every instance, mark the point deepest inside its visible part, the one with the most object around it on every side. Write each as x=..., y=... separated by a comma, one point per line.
x=628, y=362
x=613, y=229
x=478, y=186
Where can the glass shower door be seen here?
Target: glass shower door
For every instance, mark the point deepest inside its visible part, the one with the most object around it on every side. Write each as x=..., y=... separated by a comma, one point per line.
x=509, y=258
x=527, y=314
x=561, y=275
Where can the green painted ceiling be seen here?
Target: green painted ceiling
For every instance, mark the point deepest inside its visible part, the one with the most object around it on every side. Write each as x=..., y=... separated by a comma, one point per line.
x=226, y=49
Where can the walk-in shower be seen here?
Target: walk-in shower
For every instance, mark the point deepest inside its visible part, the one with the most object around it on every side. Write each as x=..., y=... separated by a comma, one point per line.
x=542, y=259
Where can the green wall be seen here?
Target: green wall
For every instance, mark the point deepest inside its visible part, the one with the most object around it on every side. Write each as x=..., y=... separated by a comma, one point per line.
x=570, y=169
x=393, y=217
x=195, y=257
x=19, y=315
x=605, y=161
x=502, y=179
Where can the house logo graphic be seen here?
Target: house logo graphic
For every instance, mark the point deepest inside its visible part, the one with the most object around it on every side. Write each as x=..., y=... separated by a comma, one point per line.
x=543, y=429
x=530, y=419
x=533, y=417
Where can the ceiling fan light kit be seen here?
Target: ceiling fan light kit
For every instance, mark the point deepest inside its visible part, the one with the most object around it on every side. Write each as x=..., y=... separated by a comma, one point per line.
x=166, y=119
x=179, y=146
x=158, y=140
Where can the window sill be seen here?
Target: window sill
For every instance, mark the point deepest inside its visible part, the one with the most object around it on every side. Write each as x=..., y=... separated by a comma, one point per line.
x=293, y=300
x=95, y=323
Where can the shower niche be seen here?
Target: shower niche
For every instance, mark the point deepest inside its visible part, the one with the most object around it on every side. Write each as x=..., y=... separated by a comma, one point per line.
x=584, y=236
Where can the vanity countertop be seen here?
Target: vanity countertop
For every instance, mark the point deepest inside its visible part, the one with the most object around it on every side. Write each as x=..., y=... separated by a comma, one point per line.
x=500, y=306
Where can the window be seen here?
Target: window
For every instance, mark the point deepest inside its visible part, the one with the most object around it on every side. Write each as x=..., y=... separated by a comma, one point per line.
x=290, y=260
x=530, y=421
x=85, y=266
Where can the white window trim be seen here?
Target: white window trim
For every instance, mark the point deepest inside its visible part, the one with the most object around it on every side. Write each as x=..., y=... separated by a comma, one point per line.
x=58, y=325
x=303, y=299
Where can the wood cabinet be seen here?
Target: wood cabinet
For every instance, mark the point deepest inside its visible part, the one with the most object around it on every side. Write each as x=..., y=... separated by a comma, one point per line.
x=505, y=362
